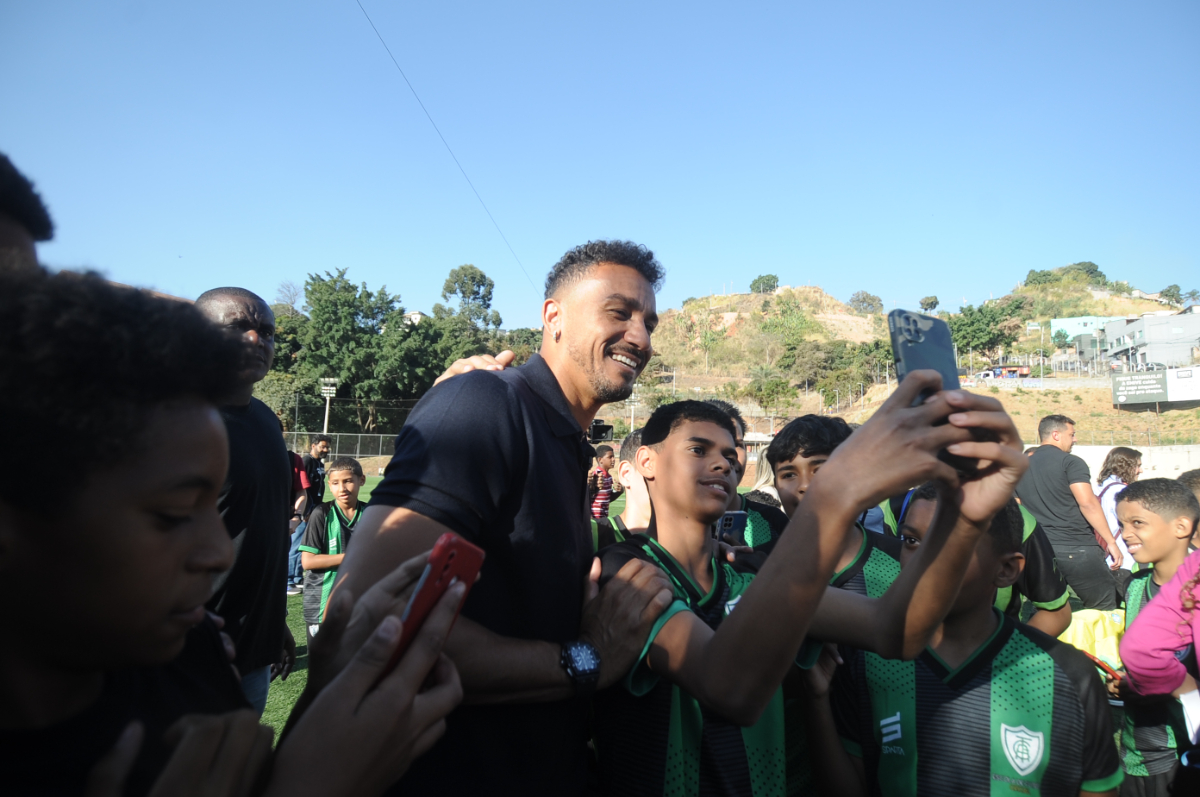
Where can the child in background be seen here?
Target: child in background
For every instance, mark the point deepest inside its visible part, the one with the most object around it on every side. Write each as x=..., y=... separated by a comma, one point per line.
x=1157, y=517
x=918, y=728
x=1191, y=480
x=1121, y=467
x=764, y=523
x=600, y=485
x=635, y=517
x=325, y=539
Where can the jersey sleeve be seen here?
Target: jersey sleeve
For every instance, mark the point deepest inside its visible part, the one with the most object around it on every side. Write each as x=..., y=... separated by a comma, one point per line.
x=1040, y=581
x=316, y=536
x=457, y=454
x=1101, y=761
x=1077, y=470
x=845, y=698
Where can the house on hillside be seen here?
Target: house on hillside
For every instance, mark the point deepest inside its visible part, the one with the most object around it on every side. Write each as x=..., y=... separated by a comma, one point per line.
x=1153, y=338
x=1080, y=325
x=415, y=317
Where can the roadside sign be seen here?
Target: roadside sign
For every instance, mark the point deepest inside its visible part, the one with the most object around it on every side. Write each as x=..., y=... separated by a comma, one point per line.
x=1144, y=388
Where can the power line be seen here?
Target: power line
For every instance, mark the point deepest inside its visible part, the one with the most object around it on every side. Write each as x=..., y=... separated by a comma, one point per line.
x=446, y=144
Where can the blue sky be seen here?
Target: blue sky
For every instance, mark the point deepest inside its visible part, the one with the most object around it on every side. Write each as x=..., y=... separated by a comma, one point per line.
x=900, y=148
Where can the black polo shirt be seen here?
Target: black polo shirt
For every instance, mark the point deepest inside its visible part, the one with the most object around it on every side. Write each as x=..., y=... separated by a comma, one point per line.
x=498, y=458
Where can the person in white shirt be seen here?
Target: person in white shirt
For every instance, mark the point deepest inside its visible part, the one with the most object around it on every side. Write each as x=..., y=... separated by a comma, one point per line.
x=1121, y=468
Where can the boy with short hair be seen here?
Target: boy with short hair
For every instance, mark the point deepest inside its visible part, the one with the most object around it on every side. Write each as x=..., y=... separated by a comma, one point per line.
x=917, y=728
x=330, y=527
x=764, y=523
x=1156, y=519
x=707, y=669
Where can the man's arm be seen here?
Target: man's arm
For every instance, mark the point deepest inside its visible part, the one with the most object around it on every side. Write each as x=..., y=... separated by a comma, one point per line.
x=499, y=669
x=1089, y=505
x=298, y=509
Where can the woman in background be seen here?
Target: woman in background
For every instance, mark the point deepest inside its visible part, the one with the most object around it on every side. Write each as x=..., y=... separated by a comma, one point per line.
x=1121, y=468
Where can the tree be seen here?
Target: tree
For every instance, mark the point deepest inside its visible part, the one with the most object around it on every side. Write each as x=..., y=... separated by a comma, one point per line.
x=987, y=327
x=474, y=291
x=289, y=329
x=1060, y=338
x=765, y=283
x=1089, y=270
x=1042, y=278
x=929, y=303
x=288, y=294
x=1172, y=295
x=1192, y=296
x=863, y=302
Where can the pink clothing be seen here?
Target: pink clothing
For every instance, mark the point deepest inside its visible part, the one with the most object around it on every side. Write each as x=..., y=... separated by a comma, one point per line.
x=1162, y=627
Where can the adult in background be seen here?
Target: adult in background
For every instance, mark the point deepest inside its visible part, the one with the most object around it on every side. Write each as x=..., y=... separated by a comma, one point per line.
x=1121, y=468
x=255, y=502
x=501, y=458
x=314, y=472
x=1057, y=490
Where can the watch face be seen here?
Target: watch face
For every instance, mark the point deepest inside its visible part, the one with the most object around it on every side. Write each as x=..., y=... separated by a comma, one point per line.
x=583, y=658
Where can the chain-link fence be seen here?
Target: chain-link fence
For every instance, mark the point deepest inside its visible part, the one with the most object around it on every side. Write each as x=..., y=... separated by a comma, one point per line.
x=344, y=445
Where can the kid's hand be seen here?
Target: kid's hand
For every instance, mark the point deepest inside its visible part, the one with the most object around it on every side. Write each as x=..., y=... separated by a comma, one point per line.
x=287, y=657
x=818, y=679
x=381, y=728
x=1001, y=463
x=480, y=362
x=898, y=447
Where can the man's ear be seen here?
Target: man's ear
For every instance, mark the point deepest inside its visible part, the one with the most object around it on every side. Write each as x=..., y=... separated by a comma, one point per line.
x=552, y=320
x=1009, y=569
x=645, y=460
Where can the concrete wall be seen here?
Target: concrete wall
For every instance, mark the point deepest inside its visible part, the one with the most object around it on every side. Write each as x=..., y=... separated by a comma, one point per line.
x=1157, y=461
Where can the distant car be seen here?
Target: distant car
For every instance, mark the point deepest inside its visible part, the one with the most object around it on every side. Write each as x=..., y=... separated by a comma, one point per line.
x=984, y=375
x=1154, y=367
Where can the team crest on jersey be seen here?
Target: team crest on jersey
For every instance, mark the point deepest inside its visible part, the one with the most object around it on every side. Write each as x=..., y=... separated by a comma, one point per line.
x=1022, y=747
x=729, y=605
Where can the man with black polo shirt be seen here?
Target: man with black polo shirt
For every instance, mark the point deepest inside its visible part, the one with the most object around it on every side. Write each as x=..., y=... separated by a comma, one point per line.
x=501, y=458
x=255, y=503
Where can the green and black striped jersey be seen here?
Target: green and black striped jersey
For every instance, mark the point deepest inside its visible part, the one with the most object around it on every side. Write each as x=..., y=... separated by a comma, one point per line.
x=1153, y=723
x=1023, y=714
x=328, y=532
x=653, y=738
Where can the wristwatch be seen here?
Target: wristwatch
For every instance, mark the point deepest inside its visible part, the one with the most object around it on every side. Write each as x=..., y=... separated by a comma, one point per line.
x=582, y=662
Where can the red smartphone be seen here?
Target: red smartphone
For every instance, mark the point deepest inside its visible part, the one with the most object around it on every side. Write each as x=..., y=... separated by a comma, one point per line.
x=452, y=558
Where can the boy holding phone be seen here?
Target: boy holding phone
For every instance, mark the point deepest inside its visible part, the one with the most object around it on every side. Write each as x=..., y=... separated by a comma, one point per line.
x=716, y=658
x=1156, y=517
x=912, y=728
x=330, y=527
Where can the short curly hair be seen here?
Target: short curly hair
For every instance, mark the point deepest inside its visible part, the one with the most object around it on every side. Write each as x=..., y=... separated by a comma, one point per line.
x=19, y=200
x=83, y=362
x=575, y=263
x=808, y=435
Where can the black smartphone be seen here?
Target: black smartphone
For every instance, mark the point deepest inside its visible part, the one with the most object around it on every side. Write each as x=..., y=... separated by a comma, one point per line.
x=921, y=341
x=731, y=528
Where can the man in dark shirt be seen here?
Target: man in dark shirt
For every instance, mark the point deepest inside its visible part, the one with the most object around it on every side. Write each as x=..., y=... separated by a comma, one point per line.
x=314, y=469
x=255, y=503
x=501, y=458
x=1057, y=491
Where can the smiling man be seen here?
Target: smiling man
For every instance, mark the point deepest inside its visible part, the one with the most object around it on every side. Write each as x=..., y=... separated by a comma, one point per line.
x=255, y=501
x=501, y=458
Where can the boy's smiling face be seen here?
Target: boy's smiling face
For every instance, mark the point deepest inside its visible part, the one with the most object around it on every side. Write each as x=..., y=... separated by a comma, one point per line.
x=345, y=486
x=793, y=477
x=692, y=472
x=1149, y=536
x=123, y=570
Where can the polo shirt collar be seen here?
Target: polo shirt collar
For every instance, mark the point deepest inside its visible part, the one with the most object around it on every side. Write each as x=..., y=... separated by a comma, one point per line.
x=541, y=379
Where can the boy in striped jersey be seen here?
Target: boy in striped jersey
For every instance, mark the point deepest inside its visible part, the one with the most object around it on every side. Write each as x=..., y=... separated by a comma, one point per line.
x=326, y=537
x=1156, y=517
x=919, y=728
